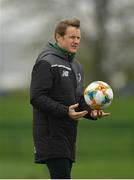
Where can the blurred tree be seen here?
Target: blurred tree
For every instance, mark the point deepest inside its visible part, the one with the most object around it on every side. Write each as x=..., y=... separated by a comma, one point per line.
x=107, y=35
x=101, y=13
x=119, y=58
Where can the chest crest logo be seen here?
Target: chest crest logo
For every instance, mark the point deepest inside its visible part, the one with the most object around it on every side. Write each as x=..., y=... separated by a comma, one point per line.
x=65, y=73
x=79, y=77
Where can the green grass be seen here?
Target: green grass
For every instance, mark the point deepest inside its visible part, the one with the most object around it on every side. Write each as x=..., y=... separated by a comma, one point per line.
x=105, y=148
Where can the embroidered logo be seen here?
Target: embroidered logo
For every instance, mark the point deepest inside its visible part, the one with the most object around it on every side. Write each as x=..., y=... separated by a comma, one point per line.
x=65, y=73
x=79, y=77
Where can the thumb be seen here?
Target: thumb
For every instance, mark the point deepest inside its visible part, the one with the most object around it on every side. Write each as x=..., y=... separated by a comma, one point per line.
x=105, y=114
x=74, y=106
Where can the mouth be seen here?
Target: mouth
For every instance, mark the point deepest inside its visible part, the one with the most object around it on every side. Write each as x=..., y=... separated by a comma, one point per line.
x=74, y=47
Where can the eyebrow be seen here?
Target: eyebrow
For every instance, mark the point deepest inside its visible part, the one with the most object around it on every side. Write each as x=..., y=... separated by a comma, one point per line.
x=74, y=36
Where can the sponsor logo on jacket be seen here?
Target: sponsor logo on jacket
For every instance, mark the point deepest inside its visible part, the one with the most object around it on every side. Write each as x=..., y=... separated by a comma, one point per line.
x=65, y=73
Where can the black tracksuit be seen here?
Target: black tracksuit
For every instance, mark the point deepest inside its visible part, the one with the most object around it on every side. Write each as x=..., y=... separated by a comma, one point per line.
x=56, y=84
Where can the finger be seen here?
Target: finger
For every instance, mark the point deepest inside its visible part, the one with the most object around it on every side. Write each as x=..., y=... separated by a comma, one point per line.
x=99, y=113
x=84, y=113
x=77, y=119
x=105, y=114
x=80, y=114
x=74, y=106
x=94, y=114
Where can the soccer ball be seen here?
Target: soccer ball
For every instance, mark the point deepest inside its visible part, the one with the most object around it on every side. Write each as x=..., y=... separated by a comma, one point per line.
x=98, y=95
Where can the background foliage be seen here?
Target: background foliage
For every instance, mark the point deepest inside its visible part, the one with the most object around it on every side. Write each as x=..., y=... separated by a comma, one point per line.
x=105, y=148
x=107, y=43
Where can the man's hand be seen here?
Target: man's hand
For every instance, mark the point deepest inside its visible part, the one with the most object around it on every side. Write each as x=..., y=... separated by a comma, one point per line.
x=76, y=115
x=98, y=114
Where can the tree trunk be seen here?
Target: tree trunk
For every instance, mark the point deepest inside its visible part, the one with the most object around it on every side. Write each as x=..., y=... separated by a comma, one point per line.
x=99, y=43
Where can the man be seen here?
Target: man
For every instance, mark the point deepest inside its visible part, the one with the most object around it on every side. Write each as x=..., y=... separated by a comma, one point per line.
x=58, y=102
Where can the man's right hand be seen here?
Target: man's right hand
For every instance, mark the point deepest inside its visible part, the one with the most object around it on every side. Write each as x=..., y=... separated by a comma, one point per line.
x=76, y=115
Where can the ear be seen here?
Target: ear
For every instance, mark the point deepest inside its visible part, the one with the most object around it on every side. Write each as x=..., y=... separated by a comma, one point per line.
x=58, y=37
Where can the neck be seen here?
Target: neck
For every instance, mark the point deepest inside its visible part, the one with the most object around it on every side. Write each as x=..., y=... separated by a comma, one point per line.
x=71, y=55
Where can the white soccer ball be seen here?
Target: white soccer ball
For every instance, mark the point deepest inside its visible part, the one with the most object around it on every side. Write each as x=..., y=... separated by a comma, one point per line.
x=98, y=95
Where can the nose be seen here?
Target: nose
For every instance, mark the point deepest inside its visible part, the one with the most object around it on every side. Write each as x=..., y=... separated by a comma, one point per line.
x=77, y=40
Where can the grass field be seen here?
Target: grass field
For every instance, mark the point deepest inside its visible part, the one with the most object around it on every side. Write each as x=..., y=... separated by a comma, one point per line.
x=105, y=148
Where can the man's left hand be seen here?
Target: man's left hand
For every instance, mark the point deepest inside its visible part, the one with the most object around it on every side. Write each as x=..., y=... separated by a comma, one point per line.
x=98, y=114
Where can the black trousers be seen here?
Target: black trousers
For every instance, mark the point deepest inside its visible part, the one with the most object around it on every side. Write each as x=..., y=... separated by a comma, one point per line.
x=59, y=168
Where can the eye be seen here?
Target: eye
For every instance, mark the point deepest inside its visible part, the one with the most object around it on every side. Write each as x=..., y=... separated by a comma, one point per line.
x=75, y=37
x=72, y=37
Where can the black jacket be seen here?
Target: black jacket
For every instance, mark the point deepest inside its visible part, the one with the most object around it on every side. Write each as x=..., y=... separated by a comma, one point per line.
x=56, y=84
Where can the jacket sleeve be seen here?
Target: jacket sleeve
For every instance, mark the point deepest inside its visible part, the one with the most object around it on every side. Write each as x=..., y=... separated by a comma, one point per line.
x=41, y=84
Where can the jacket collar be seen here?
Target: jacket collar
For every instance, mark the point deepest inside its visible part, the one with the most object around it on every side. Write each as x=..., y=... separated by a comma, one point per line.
x=70, y=55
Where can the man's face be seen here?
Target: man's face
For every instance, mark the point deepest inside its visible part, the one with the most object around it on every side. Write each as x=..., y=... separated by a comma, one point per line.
x=71, y=40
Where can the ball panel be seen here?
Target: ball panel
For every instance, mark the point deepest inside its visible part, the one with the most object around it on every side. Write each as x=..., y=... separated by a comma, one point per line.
x=92, y=86
x=110, y=93
x=99, y=97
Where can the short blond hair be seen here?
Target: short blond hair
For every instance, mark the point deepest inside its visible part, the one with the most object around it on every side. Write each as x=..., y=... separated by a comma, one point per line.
x=64, y=24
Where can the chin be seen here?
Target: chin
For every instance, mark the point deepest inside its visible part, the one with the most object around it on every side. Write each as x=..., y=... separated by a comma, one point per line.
x=73, y=51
